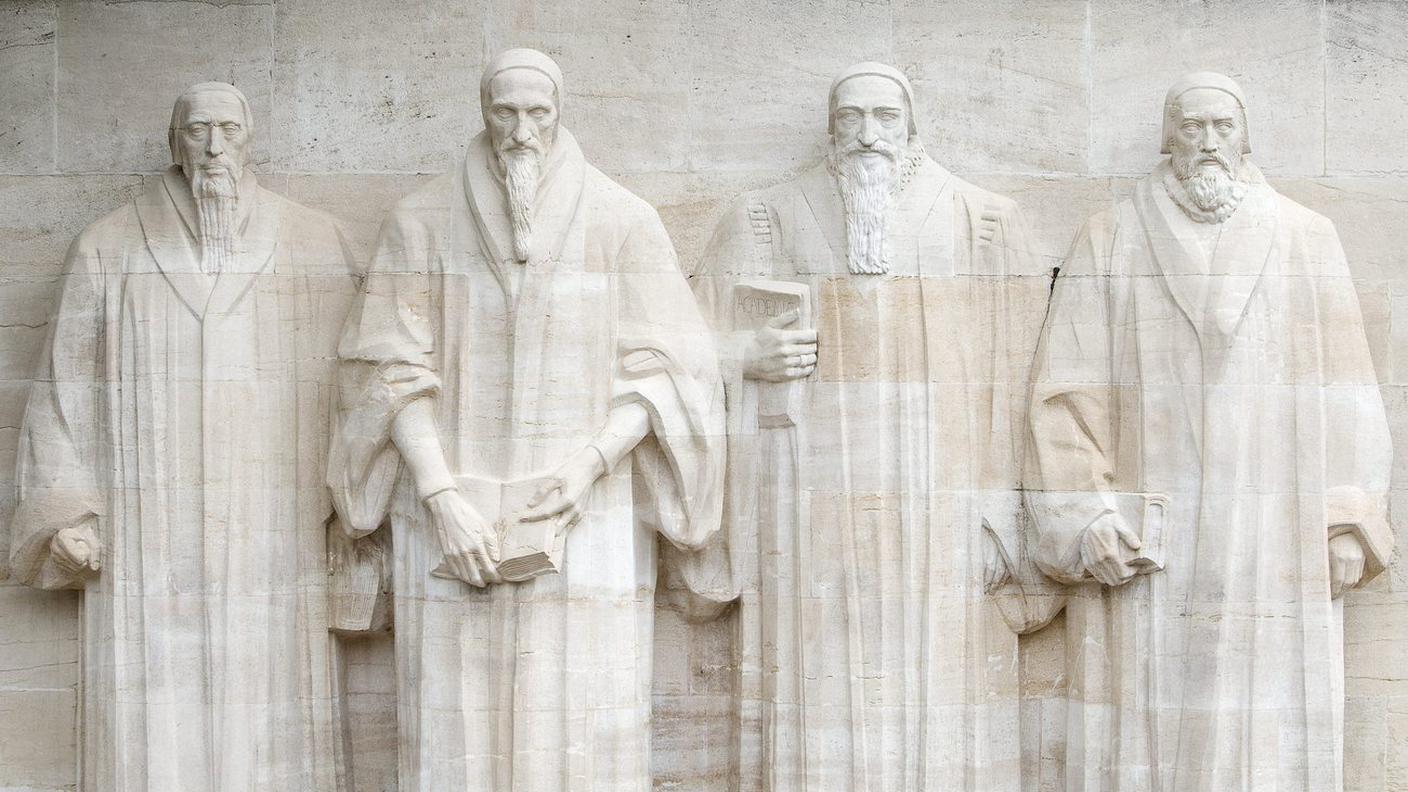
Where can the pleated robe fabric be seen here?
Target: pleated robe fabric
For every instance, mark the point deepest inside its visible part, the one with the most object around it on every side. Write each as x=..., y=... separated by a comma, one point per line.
x=188, y=413
x=543, y=685
x=869, y=657
x=1234, y=378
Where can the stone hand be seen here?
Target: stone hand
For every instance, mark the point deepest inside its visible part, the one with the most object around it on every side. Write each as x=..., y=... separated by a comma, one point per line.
x=470, y=545
x=775, y=354
x=1346, y=563
x=77, y=551
x=1100, y=550
x=563, y=494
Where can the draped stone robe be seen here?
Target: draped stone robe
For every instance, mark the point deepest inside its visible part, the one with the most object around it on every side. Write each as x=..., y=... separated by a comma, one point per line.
x=543, y=685
x=870, y=658
x=187, y=413
x=1226, y=368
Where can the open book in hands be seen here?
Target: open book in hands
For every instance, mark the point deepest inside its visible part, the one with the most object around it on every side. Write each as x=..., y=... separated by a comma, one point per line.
x=527, y=549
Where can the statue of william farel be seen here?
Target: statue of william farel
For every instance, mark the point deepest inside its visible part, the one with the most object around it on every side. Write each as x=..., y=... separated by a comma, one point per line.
x=171, y=467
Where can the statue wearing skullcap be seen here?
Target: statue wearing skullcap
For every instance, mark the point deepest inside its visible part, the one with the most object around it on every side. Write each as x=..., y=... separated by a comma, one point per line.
x=844, y=460
x=527, y=355
x=1210, y=466
x=170, y=468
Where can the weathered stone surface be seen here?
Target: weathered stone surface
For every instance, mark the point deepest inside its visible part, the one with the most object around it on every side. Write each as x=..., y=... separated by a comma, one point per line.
x=690, y=104
x=759, y=78
x=1365, y=70
x=37, y=730
x=370, y=82
x=120, y=65
x=990, y=96
x=1273, y=48
x=27, y=86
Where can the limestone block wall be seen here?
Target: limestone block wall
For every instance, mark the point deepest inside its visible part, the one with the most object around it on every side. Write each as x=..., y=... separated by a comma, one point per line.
x=689, y=102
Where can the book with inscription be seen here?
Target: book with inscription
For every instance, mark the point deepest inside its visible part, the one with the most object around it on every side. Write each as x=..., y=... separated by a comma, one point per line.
x=755, y=303
x=526, y=549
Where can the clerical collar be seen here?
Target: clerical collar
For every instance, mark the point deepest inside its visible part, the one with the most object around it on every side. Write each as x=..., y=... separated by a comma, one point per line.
x=1178, y=193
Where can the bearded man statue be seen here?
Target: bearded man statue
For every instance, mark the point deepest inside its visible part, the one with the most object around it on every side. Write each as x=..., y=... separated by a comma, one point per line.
x=525, y=327
x=1205, y=348
x=865, y=516
x=171, y=468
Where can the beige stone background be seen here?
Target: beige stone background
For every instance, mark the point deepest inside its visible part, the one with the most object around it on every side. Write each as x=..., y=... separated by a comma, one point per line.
x=689, y=102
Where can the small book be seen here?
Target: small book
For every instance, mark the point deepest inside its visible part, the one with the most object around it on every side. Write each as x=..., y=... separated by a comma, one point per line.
x=1069, y=512
x=1150, y=511
x=359, y=581
x=755, y=303
x=527, y=549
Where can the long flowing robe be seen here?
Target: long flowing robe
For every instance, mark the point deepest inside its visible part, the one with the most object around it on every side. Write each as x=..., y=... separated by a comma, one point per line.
x=543, y=685
x=1227, y=369
x=187, y=413
x=869, y=656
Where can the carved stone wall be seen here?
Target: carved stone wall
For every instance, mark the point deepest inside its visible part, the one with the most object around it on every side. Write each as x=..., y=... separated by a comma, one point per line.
x=688, y=103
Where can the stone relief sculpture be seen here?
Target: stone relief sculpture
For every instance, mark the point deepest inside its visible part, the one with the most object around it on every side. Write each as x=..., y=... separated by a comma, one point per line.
x=1205, y=356
x=171, y=466
x=864, y=310
x=526, y=352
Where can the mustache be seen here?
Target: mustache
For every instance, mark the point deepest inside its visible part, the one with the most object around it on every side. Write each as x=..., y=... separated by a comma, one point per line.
x=879, y=146
x=1213, y=156
x=511, y=146
x=218, y=162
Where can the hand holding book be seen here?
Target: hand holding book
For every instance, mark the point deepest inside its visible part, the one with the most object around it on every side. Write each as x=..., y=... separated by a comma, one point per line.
x=469, y=542
x=563, y=495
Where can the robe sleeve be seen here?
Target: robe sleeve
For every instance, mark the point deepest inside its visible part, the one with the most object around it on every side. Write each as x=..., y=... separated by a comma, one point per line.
x=57, y=472
x=1358, y=449
x=666, y=362
x=740, y=240
x=1072, y=411
x=1009, y=284
x=384, y=363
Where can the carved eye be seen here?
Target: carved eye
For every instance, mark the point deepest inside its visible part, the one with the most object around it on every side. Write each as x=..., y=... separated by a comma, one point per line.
x=1224, y=126
x=889, y=116
x=230, y=128
x=1191, y=127
x=538, y=113
x=198, y=130
x=503, y=113
x=848, y=116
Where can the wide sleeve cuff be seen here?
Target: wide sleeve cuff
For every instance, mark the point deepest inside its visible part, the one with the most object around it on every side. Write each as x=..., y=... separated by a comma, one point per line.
x=1351, y=510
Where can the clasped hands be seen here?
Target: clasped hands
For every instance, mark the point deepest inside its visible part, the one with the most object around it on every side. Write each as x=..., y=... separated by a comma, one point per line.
x=470, y=543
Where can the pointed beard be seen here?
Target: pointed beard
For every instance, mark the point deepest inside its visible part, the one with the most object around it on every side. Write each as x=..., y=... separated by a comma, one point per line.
x=522, y=170
x=217, y=201
x=867, y=185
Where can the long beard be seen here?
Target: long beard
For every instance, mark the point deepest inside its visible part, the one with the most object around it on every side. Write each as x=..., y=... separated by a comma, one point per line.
x=867, y=184
x=217, y=203
x=1206, y=194
x=522, y=171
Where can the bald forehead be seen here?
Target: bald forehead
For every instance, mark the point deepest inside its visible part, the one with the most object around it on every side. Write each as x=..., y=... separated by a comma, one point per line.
x=869, y=91
x=521, y=86
x=1208, y=103
x=212, y=106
